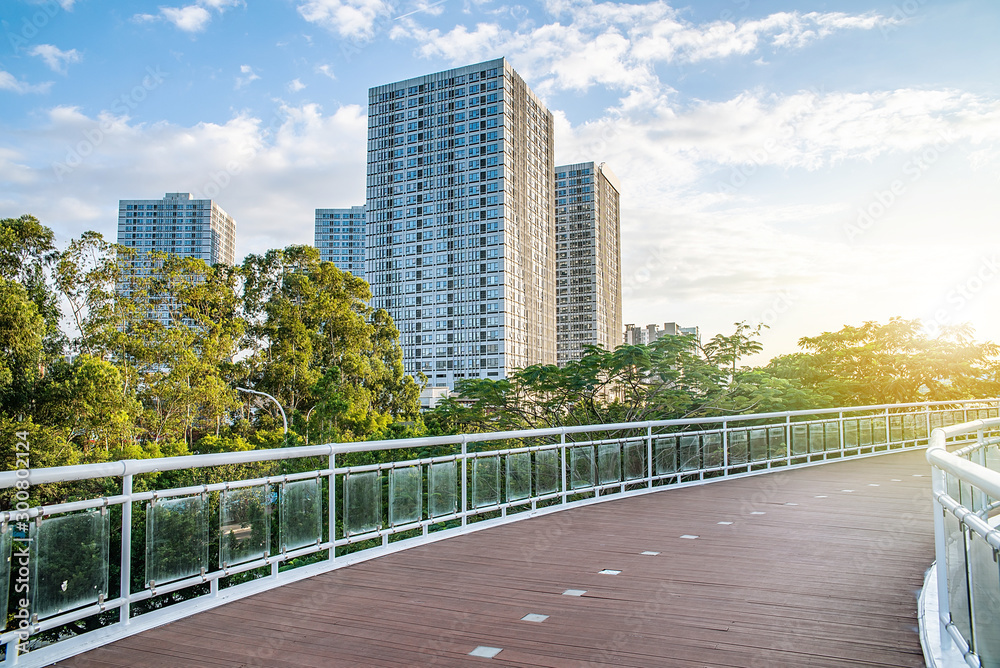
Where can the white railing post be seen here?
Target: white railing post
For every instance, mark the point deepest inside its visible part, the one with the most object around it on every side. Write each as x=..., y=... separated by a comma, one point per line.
x=124, y=612
x=725, y=448
x=649, y=457
x=562, y=468
x=843, y=428
x=941, y=556
x=788, y=439
x=331, y=504
x=888, y=439
x=465, y=480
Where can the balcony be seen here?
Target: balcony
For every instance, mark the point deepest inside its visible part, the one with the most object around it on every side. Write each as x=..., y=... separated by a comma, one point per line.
x=787, y=539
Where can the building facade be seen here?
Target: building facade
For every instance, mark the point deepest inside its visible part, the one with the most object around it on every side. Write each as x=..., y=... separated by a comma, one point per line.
x=588, y=259
x=180, y=225
x=635, y=335
x=340, y=238
x=461, y=222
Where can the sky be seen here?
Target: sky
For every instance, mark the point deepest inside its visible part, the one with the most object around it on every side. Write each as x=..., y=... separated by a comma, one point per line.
x=801, y=165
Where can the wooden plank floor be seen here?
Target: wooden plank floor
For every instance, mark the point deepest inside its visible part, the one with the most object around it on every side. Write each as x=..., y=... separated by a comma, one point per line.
x=805, y=574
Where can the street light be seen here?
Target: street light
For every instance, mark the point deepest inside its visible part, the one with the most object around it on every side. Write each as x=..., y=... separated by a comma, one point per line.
x=265, y=394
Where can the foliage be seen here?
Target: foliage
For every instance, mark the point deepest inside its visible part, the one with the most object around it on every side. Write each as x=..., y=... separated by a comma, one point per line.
x=890, y=363
x=155, y=347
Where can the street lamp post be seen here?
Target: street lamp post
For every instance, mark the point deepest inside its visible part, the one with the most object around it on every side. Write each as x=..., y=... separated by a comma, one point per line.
x=265, y=394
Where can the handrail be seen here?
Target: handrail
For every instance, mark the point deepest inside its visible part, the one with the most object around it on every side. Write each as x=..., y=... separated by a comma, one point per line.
x=981, y=477
x=953, y=545
x=139, y=466
x=533, y=471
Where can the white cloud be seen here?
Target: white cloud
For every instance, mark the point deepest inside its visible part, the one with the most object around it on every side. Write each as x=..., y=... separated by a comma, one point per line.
x=9, y=82
x=55, y=58
x=261, y=170
x=347, y=18
x=618, y=44
x=250, y=77
x=295, y=85
x=190, y=18
x=327, y=71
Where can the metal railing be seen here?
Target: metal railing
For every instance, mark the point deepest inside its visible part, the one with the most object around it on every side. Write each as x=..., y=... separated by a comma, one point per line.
x=83, y=572
x=966, y=485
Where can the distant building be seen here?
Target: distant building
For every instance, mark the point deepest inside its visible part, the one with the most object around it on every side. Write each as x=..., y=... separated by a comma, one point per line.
x=179, y=225
x=340, y=238
x=430, y=396
x=588, y=259
x=645, y=335
x=460, y=239
x=176, y=224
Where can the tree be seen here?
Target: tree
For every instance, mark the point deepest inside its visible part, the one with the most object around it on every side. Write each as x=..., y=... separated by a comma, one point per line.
x=670, y=378
x=22, y=359
x=894, y=362
x=317, y=345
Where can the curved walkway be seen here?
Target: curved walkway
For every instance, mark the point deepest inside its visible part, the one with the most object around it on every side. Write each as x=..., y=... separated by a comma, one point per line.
x=818, y=566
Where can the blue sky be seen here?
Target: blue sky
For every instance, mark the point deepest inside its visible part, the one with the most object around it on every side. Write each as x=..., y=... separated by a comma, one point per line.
x=805, y=165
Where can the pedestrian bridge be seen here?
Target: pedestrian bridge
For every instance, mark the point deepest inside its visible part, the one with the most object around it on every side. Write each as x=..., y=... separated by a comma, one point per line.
x=792, y=539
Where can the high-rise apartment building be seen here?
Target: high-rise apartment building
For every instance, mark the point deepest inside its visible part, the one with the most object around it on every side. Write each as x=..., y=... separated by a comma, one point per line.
x=179, y=225
x=340, y=238
x=461, y=221
x=588, y=259
x=176, y=224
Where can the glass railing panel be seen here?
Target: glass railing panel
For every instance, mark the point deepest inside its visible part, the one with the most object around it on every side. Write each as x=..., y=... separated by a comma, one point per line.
x=817, y=437
x=690, y=452
x=518, y=476
x=244, y=525
x=739, y=447
x=865, y=431
x=548, y=472
x=831, y=435
x=909, y=427
x=777, y=445
x=635, y=460
x=896, y=428
x=362, y=502
x=300, y=514
x=850, y=434
x=176, y=538
x=758, y=444
x=69, y=562
x=442, y=494
x=581, y=466
x=958, y=585
x=800, y=439
x=984, y=574
x=485, y=481
x=406, y=498
x=665, y=452
x=711, y=450
x=878, y=431
x=936, y=420
x=609, y=465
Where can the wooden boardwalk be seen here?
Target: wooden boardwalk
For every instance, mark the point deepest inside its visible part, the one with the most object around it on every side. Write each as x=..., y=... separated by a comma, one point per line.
x=818, y=566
